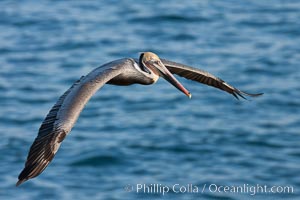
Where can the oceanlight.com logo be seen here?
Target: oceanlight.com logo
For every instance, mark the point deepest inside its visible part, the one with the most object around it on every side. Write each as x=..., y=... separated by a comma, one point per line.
x=157, y=188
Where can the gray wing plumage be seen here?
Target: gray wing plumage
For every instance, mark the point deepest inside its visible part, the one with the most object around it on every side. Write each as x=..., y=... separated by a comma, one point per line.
x=62, y=117
x=42, y=150
x=205, y=78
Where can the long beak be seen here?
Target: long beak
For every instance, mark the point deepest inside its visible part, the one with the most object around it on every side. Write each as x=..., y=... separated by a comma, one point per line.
x=166, y=74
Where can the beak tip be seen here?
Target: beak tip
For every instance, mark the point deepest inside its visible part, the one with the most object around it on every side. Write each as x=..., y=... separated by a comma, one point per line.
x=189, y=95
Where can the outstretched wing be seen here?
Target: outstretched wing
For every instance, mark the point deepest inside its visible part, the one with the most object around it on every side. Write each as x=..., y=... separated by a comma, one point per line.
x=204, y=77
x=63, y=115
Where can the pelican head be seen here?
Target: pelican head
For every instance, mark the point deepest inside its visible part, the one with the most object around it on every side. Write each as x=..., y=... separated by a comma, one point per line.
x=151, y=62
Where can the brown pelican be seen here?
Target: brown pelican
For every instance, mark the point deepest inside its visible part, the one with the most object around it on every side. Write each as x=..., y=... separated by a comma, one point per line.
x=63, y=115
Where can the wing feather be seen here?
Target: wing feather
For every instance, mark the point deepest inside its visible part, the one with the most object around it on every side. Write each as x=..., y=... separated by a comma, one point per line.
x=41, y=151
x=204, y=77
x=63, y=115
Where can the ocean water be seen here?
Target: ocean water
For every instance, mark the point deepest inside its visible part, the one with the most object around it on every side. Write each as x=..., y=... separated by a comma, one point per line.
x=132, y=140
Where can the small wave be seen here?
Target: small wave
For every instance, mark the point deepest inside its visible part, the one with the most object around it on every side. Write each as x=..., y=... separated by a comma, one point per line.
x=256, y=24
x=184, y=36
x=71, y=45
x=25, y=60
x=174, y=148
x=170, y=18
x=102, y=160
x=264, y=144
x=261, y=71
x=19, y=121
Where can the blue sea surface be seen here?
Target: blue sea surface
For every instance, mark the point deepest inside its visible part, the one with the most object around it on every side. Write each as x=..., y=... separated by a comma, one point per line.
x=154, y=135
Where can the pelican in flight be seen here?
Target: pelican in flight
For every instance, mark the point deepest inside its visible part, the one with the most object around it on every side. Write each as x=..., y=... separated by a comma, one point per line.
x=146, y=70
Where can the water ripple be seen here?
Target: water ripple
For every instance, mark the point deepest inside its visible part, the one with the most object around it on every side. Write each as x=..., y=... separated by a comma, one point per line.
x=97, y=161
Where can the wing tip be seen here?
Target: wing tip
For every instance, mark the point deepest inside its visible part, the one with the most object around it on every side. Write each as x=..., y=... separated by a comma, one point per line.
x=22, y=177
x=238, y=93
x=20, y=181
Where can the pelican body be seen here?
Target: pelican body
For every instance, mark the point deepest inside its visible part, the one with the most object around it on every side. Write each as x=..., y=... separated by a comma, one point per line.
x=64, y=114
